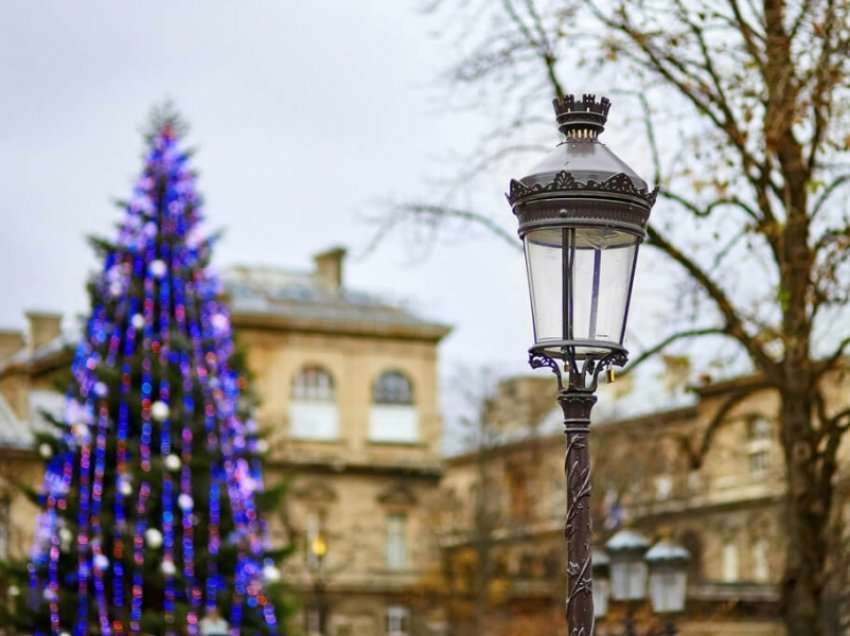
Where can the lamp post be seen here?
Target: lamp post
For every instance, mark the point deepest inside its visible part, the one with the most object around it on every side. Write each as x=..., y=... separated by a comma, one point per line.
x=634, y=567
x=318, y=550
x=582, y=214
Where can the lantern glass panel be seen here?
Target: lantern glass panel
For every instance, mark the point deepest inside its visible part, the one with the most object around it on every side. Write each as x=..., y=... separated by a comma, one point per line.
x=628, y=579
x=667, y=589
x=580, y=281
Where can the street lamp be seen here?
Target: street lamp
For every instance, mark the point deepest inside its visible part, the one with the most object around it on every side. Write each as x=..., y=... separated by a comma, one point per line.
x=318, y=551
x=668, y=579
x=582, y=214
x=628, y=568
x=632, y=562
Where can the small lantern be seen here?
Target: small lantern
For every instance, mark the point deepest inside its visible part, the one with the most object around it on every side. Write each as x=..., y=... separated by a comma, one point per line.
x=628, y=568
x=668, y=576
x=601, y=583
x=582, y=215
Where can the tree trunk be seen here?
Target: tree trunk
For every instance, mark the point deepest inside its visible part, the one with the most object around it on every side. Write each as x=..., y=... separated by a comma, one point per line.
x=807, y=507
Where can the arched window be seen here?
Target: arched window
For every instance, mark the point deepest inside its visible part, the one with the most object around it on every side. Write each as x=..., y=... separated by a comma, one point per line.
x=313, y=411
x=392, y=387
x=393, y=417
x=314, y=384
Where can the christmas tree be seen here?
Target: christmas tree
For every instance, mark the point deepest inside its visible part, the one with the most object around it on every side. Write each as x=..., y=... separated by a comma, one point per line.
x=150, y=518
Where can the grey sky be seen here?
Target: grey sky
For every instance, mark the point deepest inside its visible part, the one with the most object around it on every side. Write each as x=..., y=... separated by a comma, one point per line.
x=304, y=115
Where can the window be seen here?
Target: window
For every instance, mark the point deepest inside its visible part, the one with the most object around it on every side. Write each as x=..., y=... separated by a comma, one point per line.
x=396, y=541
x=759, y=428
x=393, y=387
x=663, y=487
x=759, y=462
x=759, y=436
x=694, y=481
x=393, y=417
x=398, y=621
x=730, y=563
x=761, y=568
x=313, y=413
x=518, y=493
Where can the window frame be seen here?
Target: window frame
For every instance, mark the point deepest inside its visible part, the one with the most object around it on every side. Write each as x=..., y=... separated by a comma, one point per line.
x=402, y=394
x=401, y=561
x=759, y=460
x=397, y=621
x=312, y=391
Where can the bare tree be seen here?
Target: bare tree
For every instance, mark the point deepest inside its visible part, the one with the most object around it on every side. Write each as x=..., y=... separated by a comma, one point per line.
x=754, y=153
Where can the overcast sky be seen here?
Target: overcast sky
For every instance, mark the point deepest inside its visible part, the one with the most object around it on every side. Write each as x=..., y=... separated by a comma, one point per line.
x=304, y=114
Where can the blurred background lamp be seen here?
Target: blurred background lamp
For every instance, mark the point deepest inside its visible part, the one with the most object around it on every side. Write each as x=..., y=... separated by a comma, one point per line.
x=626, y=550
x=668, y=576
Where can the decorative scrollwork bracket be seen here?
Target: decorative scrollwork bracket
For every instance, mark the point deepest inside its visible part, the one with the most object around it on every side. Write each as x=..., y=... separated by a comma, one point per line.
x=538, y=360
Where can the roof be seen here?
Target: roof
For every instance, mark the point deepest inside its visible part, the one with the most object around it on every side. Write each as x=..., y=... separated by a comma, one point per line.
x=266, y=295
x=649, y=407
x=49, y=350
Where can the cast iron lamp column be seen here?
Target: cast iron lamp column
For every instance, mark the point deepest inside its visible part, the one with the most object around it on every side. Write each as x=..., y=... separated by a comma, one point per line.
x=582, y=214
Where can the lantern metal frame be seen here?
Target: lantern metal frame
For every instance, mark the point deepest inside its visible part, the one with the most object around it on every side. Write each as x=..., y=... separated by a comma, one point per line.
x=567, y=201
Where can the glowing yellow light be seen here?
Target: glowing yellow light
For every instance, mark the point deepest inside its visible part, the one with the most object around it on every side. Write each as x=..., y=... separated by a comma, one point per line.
x=319, y=547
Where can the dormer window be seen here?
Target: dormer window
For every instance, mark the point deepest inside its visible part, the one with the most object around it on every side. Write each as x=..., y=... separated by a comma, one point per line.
x=313, y=411
x=393, y=417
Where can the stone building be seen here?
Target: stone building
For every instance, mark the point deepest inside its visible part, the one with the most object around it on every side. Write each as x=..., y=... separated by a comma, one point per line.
x=347, y=385
x=395, y=540
x=507, y=502
x=348, y=390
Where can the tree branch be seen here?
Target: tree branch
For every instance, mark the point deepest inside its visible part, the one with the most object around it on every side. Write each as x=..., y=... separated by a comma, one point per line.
x=825, y=366
x=681, y=335
x=734, y=325
x=828, y=191
x=697, y=456
x=432, y=215
x=703, y=212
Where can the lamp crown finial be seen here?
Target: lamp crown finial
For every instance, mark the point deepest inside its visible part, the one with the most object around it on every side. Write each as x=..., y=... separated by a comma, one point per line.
x=581, y=120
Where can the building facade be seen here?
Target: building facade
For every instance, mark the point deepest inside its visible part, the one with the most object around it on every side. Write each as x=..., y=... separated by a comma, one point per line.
x=391, y=538
x=711, y=481
x=349, y=402
x=347, y=388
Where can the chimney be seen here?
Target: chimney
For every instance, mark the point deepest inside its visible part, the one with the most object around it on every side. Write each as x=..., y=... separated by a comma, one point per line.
x=329, y=268
x=44, y=326
x=11, y=341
